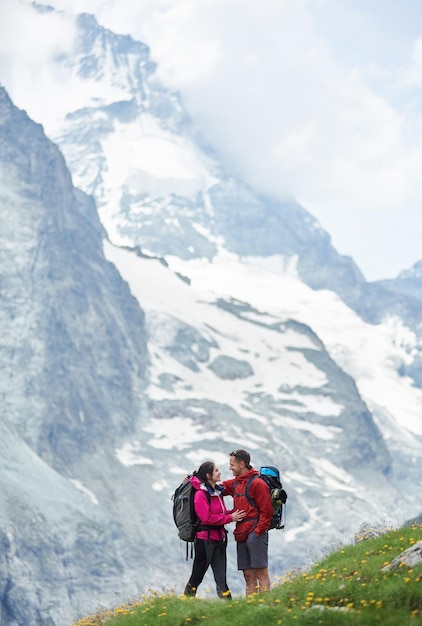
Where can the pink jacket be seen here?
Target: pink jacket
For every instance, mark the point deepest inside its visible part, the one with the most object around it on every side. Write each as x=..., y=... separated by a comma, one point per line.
x=211, y=512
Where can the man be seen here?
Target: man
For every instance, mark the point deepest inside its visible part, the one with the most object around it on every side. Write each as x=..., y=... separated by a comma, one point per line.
x=251, y=533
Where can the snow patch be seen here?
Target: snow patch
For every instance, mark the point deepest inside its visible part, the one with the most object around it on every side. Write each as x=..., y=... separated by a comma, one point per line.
x=177, y=432
x=144, y=158
x=319, y=431
x=333, y=476
x=81, y=487
x=129, y=455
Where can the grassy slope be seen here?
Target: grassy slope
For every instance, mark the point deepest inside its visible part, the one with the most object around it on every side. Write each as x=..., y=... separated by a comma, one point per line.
x=346, y=588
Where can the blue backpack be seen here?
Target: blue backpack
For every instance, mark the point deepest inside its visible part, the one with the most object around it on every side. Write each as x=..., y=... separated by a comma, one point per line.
x=271, y=476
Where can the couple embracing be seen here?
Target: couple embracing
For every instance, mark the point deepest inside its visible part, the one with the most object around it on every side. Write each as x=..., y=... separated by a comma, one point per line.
x=252, y=524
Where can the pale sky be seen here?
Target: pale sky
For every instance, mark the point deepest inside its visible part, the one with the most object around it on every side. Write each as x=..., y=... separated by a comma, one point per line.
x=318, y=99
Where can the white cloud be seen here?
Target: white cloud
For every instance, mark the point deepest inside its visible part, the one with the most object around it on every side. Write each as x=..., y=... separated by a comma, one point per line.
x=28, y=39
x=28, y=43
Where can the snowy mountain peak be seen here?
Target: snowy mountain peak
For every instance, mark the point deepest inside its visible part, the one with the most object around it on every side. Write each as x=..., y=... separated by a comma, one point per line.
x=115, y=60
x=413, y=272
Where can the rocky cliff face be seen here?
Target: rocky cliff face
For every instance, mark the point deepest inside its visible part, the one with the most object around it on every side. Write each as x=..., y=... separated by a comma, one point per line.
x=58, y=286
x=73, y=359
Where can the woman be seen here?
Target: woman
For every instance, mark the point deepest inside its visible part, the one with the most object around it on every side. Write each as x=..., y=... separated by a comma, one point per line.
x=211, y=536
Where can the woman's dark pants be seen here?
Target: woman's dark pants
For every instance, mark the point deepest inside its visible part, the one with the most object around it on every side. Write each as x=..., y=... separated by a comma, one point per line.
x=209, y=553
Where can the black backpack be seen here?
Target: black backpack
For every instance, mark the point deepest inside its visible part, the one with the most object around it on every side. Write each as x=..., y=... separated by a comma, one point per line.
x=184, y=515
x=271, y=476
x=184, y=512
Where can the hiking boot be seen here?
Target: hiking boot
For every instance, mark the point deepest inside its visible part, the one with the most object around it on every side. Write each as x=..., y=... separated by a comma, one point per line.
x=189, y=590
x=225, y=595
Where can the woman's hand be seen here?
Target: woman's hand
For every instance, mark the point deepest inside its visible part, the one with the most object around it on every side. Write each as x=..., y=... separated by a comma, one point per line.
x=237, y=515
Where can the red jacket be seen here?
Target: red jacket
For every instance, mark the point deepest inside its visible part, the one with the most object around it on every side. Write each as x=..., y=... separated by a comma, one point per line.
x=257, y=519
x=211, y=511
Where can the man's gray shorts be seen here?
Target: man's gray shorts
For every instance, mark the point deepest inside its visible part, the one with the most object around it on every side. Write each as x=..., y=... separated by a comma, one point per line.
x=253, y=553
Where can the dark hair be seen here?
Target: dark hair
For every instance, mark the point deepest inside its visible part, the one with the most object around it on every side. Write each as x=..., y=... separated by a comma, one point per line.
x=206, y=468
x=242, y=455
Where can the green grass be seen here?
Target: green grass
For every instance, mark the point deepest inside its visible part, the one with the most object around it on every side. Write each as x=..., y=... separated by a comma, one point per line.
x=347, y=588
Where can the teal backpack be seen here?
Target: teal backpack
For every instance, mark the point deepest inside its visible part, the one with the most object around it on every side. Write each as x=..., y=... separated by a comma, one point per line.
x=271, y=476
